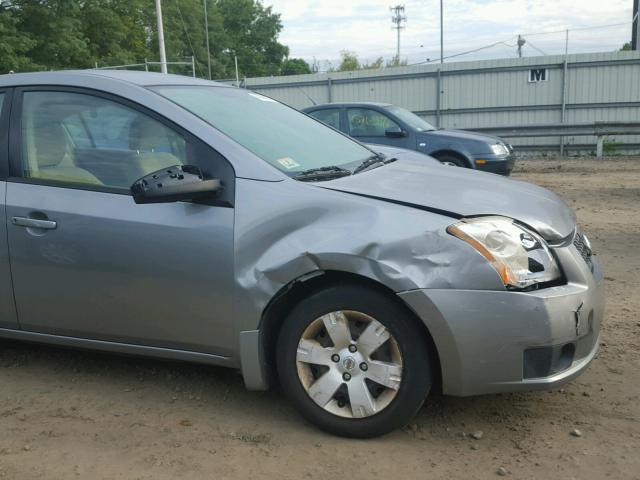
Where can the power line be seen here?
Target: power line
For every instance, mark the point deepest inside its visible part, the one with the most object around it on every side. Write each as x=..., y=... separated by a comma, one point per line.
x=573, y=29
x=184, y=27
x=536, y=48
x=495, y=44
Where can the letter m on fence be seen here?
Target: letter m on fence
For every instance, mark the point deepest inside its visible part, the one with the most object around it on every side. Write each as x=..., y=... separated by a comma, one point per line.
x=538, y=75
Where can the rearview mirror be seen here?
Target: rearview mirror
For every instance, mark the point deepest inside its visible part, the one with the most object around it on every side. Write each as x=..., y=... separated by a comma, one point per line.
x=394, y=132
x=174, y=184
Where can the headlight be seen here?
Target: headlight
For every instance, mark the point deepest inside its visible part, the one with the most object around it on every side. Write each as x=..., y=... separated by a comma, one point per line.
x=499, y=149
x=520, y=257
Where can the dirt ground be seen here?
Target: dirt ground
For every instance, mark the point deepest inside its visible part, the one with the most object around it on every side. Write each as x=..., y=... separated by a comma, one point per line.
x=69, y=414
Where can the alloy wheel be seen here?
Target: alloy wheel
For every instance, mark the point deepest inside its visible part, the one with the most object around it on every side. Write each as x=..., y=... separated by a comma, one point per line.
x=349, y=364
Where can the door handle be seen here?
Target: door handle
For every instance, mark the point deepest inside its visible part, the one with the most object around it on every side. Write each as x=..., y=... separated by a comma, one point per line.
x=34, y=223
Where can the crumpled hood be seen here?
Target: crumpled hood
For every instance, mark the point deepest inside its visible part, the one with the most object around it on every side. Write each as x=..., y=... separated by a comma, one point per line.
x=461, y=192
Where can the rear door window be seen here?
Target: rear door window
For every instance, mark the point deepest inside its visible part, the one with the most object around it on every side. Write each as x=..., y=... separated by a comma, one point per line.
x=329, y=116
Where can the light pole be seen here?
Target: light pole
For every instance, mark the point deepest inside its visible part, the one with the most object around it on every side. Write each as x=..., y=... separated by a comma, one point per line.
x=635, y=34
x=441, y=33
x=163, y=54
x=206, y=32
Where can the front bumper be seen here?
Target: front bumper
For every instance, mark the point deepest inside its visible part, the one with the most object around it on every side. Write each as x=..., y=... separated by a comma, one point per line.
x=500, y=164
x=500, y=341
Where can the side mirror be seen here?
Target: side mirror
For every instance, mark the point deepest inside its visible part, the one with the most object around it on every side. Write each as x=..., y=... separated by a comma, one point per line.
x=174, y=184
x=395, y=132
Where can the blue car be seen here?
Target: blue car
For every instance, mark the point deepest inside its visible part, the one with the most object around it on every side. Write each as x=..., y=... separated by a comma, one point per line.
x=385, y=124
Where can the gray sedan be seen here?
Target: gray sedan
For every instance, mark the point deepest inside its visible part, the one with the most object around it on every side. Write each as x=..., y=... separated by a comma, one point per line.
x=177, y=218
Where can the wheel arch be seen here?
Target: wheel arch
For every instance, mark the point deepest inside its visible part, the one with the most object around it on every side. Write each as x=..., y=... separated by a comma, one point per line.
x=455, y=153
x=282, y=303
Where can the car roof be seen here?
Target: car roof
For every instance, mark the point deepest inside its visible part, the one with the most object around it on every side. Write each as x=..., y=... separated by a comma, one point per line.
x=349, y=104
x=143, y=79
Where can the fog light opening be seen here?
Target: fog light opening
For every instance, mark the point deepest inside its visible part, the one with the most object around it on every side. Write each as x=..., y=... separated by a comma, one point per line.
x=566, y=357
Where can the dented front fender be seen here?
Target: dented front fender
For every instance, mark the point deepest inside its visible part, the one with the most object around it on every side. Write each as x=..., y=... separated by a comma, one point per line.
x=284, y=230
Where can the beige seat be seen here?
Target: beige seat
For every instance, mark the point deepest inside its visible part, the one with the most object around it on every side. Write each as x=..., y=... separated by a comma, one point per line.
x=145, y=137
x=54, y=157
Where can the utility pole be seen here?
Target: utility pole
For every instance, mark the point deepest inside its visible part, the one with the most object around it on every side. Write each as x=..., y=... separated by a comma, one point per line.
x=441, y=33
x=521, y=42
x=163, y=54
x=635, y=36
x=206, y=34
x=398, y=19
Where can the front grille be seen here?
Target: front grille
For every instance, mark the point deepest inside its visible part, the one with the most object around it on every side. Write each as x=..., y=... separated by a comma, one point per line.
x=583, y=247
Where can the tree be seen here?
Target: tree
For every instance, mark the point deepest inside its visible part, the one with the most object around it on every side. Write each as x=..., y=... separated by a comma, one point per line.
x=15, y=44
x=117, y=31
x=377, y=63
x=295, y=66
x=626, y=47
x=396, y=62
x=250, y=31
x=349, y=61
x=62, y=34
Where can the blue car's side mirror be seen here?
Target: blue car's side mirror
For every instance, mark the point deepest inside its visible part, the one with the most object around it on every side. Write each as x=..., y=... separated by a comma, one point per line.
x=395, y=132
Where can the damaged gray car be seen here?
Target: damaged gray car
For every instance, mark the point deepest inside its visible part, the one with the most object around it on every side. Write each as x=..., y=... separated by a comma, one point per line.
x=178, y=218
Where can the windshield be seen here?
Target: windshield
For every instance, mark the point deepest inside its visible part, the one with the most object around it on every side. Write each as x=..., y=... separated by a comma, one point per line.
x=284, y=137
x=411, y=119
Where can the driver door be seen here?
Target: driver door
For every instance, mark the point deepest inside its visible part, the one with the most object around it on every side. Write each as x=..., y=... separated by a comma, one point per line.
x=87, y=261
x=370, y=126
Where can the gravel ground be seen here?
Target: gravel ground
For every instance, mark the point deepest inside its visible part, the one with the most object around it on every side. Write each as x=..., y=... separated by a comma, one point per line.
x=69, y=414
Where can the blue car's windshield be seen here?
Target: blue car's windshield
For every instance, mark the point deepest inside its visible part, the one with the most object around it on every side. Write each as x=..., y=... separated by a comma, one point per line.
x=284, y=137
x=411, y=119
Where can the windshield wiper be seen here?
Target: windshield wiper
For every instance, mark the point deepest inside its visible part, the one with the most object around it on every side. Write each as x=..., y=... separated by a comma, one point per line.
x=322, y=173
x=378, y=158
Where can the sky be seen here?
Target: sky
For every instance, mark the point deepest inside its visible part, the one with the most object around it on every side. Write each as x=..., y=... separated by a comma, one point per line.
x=320, y=29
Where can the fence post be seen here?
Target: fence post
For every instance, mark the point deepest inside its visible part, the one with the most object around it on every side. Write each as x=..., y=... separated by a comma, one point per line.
x=329, y=94
x=146, y=65
x=600, y=146
x=193, y=65
x=438, y=95
x=563, y=112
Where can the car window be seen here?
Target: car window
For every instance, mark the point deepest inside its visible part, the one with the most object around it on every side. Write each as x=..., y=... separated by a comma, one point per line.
x=80, y=138
x=330, y=116
x=411, y=119
x=364, y=122
x=280, y=135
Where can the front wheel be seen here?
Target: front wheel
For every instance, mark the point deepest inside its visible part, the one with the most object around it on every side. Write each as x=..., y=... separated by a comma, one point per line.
x=353, y=361
x=451, y=161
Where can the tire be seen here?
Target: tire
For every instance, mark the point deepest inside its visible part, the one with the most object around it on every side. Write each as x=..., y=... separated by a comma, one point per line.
x=451, y=160
x=401, y=361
